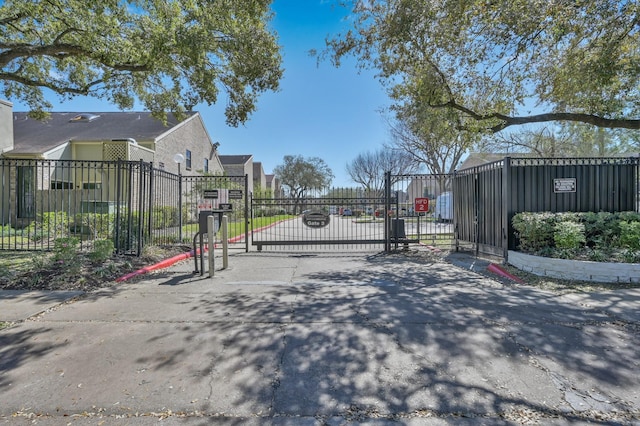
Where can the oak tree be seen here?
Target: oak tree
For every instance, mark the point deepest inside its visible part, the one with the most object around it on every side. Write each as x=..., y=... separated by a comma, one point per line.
x=168, y=54
x=501, y=63
x=368, y=169
x=300, y=175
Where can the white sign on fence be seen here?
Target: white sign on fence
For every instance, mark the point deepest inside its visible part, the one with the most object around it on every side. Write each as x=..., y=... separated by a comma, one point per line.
x=564, y=185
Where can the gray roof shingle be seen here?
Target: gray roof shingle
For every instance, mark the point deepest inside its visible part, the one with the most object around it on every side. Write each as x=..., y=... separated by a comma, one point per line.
x=34, y=136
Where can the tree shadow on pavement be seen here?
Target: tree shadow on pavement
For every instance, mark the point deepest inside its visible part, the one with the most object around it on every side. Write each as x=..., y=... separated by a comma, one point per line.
x=398, y=338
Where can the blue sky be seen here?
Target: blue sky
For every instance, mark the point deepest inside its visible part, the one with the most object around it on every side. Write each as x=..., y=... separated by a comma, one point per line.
x=320, y=111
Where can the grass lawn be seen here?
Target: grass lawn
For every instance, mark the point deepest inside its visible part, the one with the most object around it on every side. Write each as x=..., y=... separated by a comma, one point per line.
x=238, y=227
x=17, y=261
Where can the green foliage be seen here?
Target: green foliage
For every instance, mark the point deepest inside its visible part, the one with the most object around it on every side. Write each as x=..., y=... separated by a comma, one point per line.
x=481, y=61
x=301, y=175
x=630, y=235
x=164, y=217
x=129, y=231
x=597, y=255
x=102, y=250
x=534, y=230
x=569, y=235
x=48, y=225
x=7, y=231
x=65, y=249
x=99, y=225
x=601, y=229
x=54, y=223
x=267, y=212
x=169, y=55
x=631, y=256
x=589, y=236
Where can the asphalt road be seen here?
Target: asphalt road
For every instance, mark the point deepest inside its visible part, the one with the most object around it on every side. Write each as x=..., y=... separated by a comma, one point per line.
x=315, y=339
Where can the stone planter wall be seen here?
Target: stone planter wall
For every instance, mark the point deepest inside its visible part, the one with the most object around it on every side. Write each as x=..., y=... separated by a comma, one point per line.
x=603, y=272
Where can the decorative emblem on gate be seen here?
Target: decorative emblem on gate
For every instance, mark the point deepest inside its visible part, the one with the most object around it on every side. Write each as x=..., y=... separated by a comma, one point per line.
x=315, y=219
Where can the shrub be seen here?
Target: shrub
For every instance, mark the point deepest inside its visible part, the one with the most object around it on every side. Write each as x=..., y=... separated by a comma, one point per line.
x=631, y=256
x=630, y=235
x=569, y=235
x=102, y=250
x=55, y=223
x=600, y=228
x=99, y=225
x=164, y=217
x=588, y=236
x=534, y=230
x=7, y=231
x=66, y=248
x=49, y=224
x=128, y=230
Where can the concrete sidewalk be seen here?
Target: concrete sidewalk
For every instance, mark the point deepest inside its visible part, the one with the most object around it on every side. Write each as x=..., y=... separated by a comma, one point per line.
x=323, y=339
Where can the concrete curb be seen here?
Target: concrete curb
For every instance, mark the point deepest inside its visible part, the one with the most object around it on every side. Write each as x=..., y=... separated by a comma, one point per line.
x=160, y=265
x=173, y=260
x=498, y=270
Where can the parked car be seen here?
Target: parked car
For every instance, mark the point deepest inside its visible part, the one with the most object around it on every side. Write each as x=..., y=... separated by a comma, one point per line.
x=347, y=212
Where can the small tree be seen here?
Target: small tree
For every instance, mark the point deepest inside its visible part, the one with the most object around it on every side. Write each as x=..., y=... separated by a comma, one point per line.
x=368, y=169
x=299, y=176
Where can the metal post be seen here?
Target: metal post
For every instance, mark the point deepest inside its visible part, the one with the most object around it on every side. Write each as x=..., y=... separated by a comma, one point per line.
x=117, y=226
x=140, y=208
x=506, y=206
x=179, y=204
x=387, y=207
x=247, y=226
x=211, y=237
x=225, y=241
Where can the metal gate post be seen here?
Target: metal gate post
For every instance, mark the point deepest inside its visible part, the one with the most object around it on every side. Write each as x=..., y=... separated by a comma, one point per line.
x=387, y=208
x=506, y=207
x=180, y=204
x=247, y=229
x=117, y=230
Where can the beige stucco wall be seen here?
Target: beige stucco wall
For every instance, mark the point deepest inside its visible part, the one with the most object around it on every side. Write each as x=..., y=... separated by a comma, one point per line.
x=6, y=126
x=190, y=135
x=260, y=180
x=245, y=169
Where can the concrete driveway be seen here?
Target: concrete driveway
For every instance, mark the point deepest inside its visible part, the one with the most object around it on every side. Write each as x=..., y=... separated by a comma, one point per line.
x=310, y=339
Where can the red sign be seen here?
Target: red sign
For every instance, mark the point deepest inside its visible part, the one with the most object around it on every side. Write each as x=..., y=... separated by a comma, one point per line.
x=422, y=205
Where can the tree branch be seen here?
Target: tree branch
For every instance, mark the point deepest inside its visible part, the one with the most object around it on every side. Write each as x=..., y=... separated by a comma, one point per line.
x=58, y=89
x=506, y=121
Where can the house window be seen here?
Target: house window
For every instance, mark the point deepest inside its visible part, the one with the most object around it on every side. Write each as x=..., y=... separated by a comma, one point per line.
x=188, y=160
x=58, y=184
x=92, y=185
x=206, y=165
x=26, y=189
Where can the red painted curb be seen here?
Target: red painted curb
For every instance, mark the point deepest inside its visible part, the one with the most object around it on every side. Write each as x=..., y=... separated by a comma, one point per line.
x=499, y=271
x=164, y=264
x=175, y=259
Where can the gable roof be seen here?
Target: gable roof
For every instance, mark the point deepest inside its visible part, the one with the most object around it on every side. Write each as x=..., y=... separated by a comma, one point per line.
x=475, y=159
x=479, y=158
x=33, y=136
x=230, y=160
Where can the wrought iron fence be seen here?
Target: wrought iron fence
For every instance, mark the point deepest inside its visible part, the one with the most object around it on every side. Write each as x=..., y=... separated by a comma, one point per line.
x=333, y=219
x=44, y=200
x=488, y=196
x=421, y=210
x=134, y=204
x=129, y=203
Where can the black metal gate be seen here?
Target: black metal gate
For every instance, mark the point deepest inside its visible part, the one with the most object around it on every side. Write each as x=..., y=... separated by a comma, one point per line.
x=423, y=206
x=334, y=220
x=348, y=219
